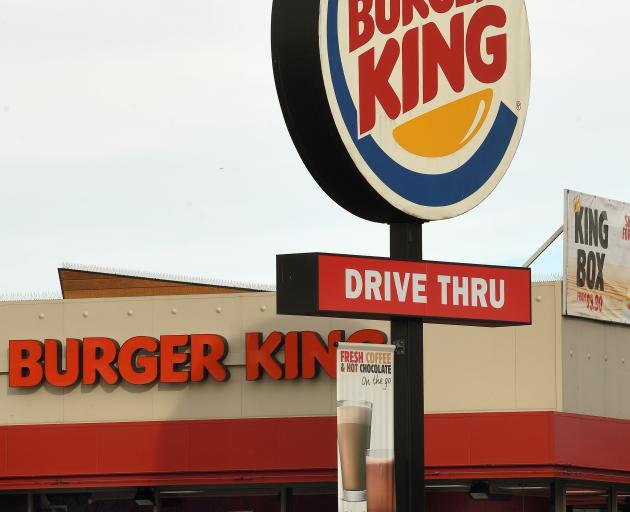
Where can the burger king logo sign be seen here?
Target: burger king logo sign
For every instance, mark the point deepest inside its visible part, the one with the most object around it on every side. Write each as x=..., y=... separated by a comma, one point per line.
x=404, y=108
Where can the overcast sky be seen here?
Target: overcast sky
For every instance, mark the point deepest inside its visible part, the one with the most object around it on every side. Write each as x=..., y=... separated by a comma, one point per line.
x=146, y=134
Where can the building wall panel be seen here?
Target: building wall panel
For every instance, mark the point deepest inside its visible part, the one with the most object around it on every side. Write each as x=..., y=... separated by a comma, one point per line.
x=469, y=369
x=39, y=405
x=117, y=319
x=268, y=398
x=104, y=402
x=28, y=320
x=498, y=369
x=536, y=352
x=596, y=365
x=200, y=400
x=466, y=369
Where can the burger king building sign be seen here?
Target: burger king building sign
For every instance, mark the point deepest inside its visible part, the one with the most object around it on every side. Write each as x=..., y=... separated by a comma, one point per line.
x=404, y=109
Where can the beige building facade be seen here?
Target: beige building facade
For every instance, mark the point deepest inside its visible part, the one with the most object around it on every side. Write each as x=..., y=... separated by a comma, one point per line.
x=556, y=364
x=504, y=406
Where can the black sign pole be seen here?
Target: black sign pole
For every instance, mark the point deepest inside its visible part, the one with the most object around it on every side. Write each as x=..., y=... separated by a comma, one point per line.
x=406, y=243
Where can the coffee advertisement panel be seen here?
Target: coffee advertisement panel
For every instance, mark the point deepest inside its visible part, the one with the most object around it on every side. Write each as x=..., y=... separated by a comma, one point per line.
x=365, y=428
x=596, y=258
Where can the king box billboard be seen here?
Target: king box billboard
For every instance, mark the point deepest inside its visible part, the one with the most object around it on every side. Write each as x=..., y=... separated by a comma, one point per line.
x=597, y=258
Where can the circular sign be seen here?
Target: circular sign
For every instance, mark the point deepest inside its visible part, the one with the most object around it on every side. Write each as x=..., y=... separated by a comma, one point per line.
x=404, y=108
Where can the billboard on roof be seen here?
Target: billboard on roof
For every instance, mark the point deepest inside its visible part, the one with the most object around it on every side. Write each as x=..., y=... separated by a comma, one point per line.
x=596, y=258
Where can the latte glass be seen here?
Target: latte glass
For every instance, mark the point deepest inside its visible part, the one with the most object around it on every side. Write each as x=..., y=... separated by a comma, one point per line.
x=354, y=424
x=380, y=481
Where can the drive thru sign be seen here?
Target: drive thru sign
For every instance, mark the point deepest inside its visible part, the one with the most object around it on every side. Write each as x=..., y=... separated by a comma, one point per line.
x=363, y=287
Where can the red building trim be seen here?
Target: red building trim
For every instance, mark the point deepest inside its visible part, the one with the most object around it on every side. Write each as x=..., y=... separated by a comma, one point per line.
x=299, y=450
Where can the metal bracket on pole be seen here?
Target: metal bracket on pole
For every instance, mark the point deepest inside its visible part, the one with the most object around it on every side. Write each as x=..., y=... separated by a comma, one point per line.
x=543, y=247
x=401, y=347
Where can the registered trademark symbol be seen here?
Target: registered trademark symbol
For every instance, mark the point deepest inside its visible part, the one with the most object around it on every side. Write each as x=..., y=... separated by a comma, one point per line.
x=519, y=106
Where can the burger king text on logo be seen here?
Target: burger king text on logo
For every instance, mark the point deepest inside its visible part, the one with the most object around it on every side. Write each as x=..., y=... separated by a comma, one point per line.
x=429, y=96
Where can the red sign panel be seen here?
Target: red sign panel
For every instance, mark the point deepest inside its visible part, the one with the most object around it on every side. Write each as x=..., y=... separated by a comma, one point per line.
x=352, y=286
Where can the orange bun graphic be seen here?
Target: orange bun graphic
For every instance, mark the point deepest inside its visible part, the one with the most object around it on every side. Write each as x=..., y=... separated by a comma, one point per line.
x=447, y=129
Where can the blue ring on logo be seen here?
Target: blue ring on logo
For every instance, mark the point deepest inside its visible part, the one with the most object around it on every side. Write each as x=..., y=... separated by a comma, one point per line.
x=434, y=190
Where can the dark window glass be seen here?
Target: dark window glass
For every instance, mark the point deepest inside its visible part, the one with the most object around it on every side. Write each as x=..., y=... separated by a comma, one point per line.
x=585, y=499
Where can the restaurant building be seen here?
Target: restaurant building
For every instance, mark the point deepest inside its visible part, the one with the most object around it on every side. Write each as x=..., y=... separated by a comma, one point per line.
x=523, y=419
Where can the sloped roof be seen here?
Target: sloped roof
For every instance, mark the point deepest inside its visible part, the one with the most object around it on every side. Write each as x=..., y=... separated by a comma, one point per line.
x=82, y=281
